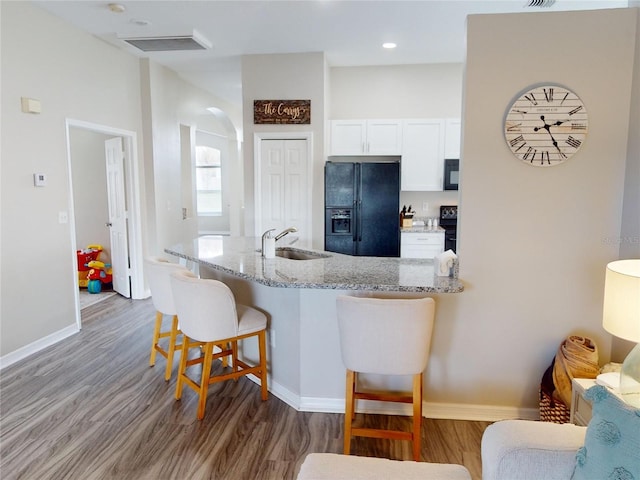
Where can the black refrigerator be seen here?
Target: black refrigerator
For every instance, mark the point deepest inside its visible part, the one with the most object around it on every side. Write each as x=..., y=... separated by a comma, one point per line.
x=362, y=208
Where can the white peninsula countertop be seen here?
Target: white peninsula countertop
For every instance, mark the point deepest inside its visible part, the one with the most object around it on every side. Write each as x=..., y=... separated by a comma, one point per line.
x=240, y=257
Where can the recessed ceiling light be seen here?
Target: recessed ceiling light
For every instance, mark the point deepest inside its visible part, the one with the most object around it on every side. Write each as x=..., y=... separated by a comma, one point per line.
x=116, y=8
x=389, y=45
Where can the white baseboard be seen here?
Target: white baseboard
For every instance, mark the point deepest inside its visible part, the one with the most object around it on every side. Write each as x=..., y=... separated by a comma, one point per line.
x=35, y=347
x=449, y=411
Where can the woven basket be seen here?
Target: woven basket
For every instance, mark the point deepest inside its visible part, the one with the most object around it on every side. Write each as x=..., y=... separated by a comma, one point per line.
x=553, y=410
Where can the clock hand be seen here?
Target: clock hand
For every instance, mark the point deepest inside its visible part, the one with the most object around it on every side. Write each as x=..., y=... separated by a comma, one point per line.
x=546, y=127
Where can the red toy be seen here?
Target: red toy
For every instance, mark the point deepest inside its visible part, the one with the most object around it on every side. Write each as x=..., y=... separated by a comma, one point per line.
x=99, y=273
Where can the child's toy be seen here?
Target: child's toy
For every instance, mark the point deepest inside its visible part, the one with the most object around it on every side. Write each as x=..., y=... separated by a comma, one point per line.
x=99, y=273
x=92, y=252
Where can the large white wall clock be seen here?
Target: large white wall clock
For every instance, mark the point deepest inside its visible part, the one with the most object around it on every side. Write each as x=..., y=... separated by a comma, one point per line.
x=546, y=125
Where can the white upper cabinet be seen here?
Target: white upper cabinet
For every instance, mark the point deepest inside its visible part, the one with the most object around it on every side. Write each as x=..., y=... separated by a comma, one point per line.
x=452, y=138
x=422, y=161
x=366, y=137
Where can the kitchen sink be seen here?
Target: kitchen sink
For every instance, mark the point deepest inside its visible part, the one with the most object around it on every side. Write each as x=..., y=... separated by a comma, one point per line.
x=293, y=254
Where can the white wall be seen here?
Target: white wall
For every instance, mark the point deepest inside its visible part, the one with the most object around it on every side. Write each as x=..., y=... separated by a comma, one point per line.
x=175, y=104
x=80, y=78
x=285, y=77
x=399, y=91
x=534, y=242
x=77, y=77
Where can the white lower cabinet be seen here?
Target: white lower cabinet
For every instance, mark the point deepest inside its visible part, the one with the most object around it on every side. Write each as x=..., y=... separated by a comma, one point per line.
x=421, y=244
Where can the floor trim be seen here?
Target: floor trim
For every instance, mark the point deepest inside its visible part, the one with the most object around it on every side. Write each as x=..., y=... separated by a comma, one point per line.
x=446, y=411
x=35, y=347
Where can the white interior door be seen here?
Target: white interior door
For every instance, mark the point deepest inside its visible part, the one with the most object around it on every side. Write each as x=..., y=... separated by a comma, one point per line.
x=283, y=199
x=117, y=223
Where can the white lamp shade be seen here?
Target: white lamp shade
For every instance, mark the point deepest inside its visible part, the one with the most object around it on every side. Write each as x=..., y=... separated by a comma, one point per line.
x=621, y=311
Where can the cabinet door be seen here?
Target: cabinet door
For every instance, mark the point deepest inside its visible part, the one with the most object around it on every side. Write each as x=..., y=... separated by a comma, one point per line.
x=452, y=138
x=384, y=137
x=348, y=137
x=422, y=161
x=421, y=245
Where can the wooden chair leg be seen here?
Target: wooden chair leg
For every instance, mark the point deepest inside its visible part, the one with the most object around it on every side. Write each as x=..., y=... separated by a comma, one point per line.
x=172, y=347
x=353, y=398
x=417, y=416
x=204, y=380
x=262, y=347
x=183, y=366
x=349, y=410
x=156, y=338
x=224, y=360
x=234, y=355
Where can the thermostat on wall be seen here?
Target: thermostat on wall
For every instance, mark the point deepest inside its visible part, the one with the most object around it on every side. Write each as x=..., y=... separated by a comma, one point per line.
x=39, y=179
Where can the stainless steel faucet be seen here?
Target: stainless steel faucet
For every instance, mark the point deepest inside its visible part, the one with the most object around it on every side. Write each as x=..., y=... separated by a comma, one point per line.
x=264, y=236
x=284, y=232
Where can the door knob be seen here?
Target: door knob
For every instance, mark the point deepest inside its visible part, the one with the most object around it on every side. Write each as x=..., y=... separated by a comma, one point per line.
x=109, y=224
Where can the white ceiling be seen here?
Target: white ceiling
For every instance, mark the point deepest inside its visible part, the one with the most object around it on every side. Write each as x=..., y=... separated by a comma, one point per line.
x=349, y=32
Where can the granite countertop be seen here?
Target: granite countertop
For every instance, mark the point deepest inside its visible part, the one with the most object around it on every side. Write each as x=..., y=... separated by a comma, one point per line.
x=240, y=256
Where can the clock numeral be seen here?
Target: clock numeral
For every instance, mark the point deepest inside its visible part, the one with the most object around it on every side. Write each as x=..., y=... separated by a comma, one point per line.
x=573, y=142
x=575, y=110
x=513, y=127
x=522, y=112
x=578, y=126
x=548, y=94
x=531, y=97
x=515, y=141
x=544, y=155
x=564, y=98
x=531, y=152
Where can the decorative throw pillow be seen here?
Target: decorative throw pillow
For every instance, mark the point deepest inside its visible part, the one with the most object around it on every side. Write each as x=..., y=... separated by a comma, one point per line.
x=612, y=444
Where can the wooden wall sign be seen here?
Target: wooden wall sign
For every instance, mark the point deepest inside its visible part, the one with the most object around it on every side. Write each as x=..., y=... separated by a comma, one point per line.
x=282, y=111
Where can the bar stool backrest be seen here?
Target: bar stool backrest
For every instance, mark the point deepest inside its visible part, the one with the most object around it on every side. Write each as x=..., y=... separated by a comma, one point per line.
x=386, y=336
x=206, y=308
x=158, y=271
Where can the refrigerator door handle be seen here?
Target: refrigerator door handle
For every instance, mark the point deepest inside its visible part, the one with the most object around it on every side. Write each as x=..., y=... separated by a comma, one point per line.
x=354, y=218
x=359, y=218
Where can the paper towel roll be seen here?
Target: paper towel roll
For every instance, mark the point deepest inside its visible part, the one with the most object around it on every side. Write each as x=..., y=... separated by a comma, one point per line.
x=444, y=262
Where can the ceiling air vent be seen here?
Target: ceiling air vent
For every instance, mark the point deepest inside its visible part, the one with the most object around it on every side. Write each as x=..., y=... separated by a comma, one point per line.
x=168, y=43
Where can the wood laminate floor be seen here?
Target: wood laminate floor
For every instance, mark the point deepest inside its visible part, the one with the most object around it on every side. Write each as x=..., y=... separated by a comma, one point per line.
x=90, y=407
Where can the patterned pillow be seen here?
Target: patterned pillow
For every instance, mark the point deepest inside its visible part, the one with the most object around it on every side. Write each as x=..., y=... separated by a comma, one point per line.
x=612, y=444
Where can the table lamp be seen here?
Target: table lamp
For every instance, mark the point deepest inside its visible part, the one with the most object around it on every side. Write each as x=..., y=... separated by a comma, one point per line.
x=621, y=317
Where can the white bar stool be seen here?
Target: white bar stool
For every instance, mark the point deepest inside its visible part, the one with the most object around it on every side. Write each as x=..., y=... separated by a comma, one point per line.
x=209, y=316
x=384, y=336
x=158, y=271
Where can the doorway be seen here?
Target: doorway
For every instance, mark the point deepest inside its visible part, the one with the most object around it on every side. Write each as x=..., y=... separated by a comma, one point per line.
x=283, y=182
x=90, y=152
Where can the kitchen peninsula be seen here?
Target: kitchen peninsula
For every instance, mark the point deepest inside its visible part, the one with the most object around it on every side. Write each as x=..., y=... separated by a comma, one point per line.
x=298, y=295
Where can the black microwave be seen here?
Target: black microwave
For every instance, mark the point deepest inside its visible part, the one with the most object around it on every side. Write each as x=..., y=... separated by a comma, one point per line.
x=451, y=173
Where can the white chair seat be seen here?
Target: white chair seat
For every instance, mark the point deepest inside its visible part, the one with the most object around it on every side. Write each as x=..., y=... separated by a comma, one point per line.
x=331, y=466
x=250, y=320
